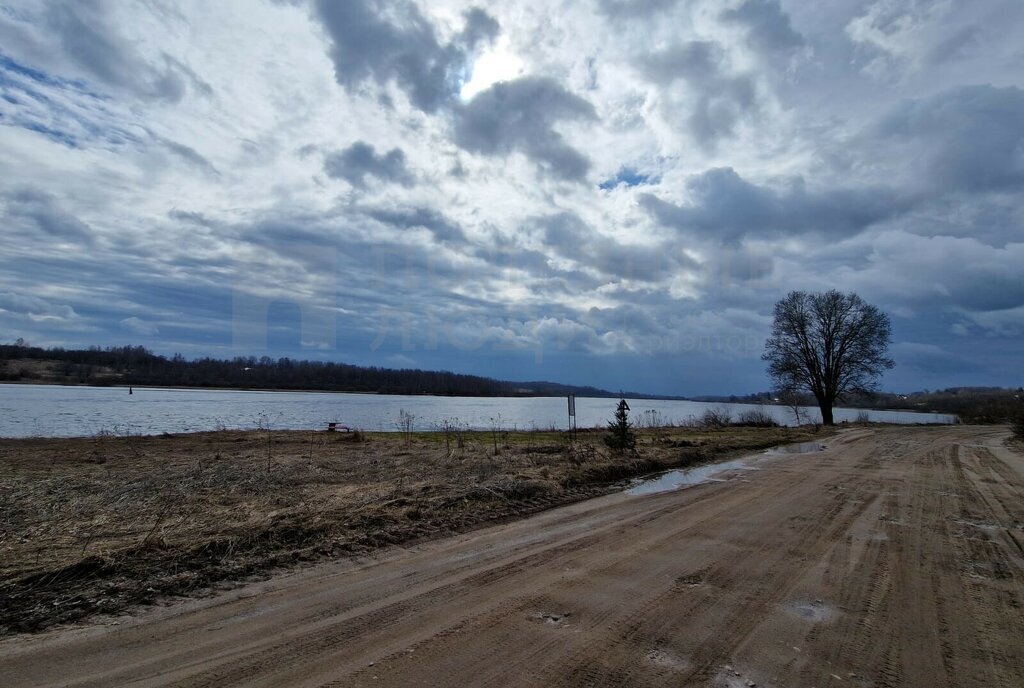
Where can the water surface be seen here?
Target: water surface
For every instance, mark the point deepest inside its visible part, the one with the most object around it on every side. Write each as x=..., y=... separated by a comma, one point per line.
x=57, y=411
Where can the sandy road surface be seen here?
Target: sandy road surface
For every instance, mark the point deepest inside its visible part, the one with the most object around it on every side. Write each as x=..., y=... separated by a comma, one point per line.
x=892, y=559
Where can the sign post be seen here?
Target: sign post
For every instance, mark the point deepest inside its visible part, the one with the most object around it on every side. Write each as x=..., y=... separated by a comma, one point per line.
x=572, y=415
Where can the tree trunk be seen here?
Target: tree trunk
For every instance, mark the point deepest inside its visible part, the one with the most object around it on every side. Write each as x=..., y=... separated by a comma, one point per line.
x=826, y=412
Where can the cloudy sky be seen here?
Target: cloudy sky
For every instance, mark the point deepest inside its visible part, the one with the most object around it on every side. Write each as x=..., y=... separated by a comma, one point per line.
x=610, y=193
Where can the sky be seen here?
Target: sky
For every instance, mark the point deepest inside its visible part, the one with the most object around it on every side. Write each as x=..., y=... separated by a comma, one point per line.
x=604, y=193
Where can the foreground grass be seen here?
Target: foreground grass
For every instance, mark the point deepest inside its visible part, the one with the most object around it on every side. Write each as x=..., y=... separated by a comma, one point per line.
x=94, y=525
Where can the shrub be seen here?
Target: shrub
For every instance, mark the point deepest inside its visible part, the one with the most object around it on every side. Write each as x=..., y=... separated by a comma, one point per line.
x=756, y=418
x=1018, y=427
x=716, y=418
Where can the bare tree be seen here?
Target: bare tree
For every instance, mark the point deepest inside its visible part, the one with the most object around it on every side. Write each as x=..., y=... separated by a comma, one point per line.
x=828, y=343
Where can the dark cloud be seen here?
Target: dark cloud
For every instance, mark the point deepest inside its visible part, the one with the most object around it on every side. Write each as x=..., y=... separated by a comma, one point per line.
x=190, y=155
x=968, y=138
x=634, y=9
x=768, y=26
x=927, y=359
x=480, y=27
x=437, y=224
x=719, y=101
x=520, y=116
x=637, y=321
x=960, y=44
x=191, y=218
x=695, y=61
x=728, y=207
x=570, y=237
x=393, y=42
x=28, y=209
x=360, y=160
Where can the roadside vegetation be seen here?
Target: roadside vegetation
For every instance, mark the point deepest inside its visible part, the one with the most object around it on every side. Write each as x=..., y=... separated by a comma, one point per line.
x=94, y=525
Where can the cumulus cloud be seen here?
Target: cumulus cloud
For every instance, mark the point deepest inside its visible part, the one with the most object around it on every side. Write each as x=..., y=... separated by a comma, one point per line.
x=718, y=100
x=521, y=116
x=361, y=160
x=392, y=42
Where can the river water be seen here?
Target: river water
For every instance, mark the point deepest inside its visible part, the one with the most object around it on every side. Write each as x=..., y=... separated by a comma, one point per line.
x=58, y=411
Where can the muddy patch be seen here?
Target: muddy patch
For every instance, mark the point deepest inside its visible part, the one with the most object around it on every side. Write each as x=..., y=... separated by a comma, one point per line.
x=815, y=611
x=728, y=677
x=666, y=659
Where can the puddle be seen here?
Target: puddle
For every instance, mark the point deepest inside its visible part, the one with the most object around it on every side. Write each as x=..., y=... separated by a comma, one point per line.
x=687, y=477
x=673, y=480
x=797, y=448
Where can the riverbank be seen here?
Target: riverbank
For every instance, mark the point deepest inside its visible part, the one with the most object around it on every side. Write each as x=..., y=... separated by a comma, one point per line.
x=93, y=526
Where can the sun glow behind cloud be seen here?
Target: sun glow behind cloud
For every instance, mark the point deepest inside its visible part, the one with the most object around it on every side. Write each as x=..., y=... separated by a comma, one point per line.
x=495, y=64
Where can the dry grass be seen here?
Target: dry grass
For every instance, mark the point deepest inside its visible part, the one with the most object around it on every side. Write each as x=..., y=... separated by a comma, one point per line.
x=92, y=525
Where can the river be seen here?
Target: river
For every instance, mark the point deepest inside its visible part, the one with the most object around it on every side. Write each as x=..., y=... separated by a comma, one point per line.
x=59, y=411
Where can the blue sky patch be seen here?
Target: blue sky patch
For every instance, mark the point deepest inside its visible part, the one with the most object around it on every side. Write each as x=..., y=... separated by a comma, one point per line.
x=626, y=175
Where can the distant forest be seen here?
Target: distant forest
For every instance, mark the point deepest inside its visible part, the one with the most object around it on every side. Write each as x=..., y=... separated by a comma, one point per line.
x=136, y=365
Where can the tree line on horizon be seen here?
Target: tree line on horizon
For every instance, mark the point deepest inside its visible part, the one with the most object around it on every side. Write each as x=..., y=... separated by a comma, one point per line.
x=136, y=365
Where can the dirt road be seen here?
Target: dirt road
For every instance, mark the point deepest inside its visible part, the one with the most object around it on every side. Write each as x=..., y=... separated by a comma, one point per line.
x=893, y=558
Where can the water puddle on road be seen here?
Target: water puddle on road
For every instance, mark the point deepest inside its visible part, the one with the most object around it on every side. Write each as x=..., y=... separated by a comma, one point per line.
x=798, y=448
x=688, y=477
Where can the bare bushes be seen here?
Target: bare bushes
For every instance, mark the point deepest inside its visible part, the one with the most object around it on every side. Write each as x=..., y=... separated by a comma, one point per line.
x=756, y=418
x=716, y=418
